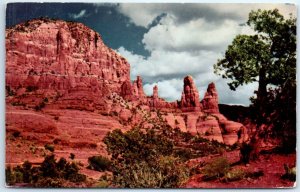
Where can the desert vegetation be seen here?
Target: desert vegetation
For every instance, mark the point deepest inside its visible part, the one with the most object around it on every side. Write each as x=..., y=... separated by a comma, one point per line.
x=51, y=173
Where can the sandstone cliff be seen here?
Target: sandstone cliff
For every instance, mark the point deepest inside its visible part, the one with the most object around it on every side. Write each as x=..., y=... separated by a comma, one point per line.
x=65, y=60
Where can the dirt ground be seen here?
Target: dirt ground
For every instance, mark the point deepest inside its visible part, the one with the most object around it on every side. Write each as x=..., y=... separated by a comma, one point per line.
x=270, y=164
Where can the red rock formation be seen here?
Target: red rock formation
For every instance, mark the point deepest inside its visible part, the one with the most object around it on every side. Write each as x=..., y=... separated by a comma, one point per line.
x=62, y=56
x=138, y=90
x=210, y=100
x=127, y=90
x=68, y=64
x=190, y=96
x=155, y=92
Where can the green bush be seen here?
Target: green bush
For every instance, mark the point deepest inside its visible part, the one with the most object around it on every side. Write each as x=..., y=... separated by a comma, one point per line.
x=72, y=156
x=31, y=88
x=137, y=145
x=144, y=159
x=216, y=169
x=166, y=172
x=77, y=178
x=104, y=181
x=10, y=176
x=99, y=163
x=235, y=175
x=49, y=183
x=16, y=133
x=49, y=147
x=290, y=173
x=40, y=106
x=184, y=154
x=50, y=173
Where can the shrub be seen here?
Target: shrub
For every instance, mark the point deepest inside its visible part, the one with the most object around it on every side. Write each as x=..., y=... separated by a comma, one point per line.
x=49, y=182
x=50, y=173
x=31, y=88
x=104, y=181
x=77, y=178
x=136, y=145
x=145, y=159
x=9, y=91
x=184, y=154
x=290, y=173
x=49, y=147
x=235, y=175
x=45, y=100
x=72, y=156
x=40, y=106
x=16, y=133
x=166, y=172
x=93, y=145
x=99, y=163
x=102, y=184
x=216, y=169
x=10, y=177
x=49, y=167
x=255, y=174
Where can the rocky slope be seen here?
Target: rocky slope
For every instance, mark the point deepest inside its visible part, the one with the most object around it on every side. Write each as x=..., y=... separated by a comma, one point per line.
x=65, y=87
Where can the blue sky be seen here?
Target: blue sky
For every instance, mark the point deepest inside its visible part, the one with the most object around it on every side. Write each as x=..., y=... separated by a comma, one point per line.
x=162, y=42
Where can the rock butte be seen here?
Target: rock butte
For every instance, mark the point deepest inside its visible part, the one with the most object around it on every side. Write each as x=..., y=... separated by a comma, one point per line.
x=64, y=83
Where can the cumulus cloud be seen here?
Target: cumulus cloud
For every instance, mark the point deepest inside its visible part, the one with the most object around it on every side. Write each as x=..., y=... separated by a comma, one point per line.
x=168, y=89
x=81, y=14
x=144, y=14
x=188, y=39
x=162, y=64
x=193, y=35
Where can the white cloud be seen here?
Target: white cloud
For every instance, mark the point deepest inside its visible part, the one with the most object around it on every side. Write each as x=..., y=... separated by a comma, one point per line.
x=193, y=35
x=140, y=14
x=162, y=64
x=81, y=14
x=188, y=40
x=143, y=14
x=168, y=89
x=240, y=96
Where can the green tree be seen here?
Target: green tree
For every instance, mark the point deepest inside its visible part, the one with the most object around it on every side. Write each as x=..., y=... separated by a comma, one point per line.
x=268, y=57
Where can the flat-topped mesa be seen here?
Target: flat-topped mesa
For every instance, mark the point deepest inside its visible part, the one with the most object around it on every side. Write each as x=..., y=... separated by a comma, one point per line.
x=60, y=56
x=210, y=100
x=190, y=96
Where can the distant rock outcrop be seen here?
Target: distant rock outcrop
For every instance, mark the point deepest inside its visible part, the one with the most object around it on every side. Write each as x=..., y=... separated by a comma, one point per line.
x=210, y=101
x=190, y=96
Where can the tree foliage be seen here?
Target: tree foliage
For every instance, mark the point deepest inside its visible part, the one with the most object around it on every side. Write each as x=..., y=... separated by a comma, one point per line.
x=269, y=58
x=269, y=55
